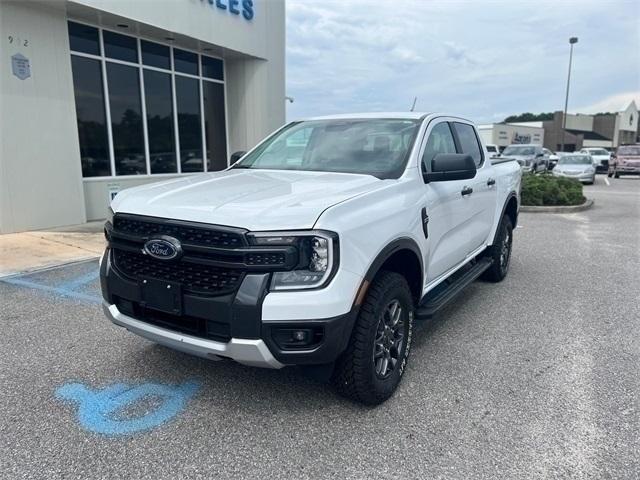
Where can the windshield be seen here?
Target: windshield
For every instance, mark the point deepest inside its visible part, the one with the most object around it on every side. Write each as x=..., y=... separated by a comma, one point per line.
x=629, y=150
x=575, y=160
x=598, y=151
x=378, y=147
x=519, y=151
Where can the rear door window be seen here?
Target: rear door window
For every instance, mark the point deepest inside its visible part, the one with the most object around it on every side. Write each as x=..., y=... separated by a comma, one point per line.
x=468, y=141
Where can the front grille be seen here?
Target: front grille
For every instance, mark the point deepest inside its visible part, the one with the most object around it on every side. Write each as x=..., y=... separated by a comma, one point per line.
x=194, y=277
x=189, y=234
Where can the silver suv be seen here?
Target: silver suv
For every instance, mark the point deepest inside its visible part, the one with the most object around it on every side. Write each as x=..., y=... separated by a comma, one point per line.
x=532, y=158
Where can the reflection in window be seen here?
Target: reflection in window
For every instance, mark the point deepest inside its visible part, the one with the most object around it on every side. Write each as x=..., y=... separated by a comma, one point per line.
x=92, y=125
x=162, y=148
x=120, y=47
x=214, y=125
x=189, y=127
x=126, y=119
x=469, y=141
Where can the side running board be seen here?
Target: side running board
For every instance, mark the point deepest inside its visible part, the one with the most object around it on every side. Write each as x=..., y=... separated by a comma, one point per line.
x=445, y=292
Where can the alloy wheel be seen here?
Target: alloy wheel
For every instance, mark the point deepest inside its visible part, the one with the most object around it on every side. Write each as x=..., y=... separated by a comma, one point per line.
x=505, y=252
x=389, y=339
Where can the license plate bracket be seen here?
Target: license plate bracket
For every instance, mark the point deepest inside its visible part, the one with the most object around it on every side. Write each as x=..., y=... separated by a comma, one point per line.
x=161, y=295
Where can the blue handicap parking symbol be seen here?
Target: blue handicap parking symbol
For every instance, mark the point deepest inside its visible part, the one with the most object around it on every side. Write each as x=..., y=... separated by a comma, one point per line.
x=99, y=409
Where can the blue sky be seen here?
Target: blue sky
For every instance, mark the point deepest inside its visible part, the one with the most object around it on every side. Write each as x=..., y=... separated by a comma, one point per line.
x=481, y=59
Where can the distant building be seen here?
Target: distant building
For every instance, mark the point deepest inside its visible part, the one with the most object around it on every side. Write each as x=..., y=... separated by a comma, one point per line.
x=607, y=131
x=505, y=134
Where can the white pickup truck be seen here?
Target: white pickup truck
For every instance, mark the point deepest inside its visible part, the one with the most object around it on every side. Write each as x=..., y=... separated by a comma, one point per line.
x=317, y=248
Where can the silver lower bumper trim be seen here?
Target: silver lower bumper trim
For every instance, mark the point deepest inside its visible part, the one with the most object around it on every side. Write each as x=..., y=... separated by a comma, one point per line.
x=248, y=352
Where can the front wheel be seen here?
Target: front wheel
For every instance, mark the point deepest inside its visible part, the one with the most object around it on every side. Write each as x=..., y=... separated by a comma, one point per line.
x=370, y=369
x=500, y=252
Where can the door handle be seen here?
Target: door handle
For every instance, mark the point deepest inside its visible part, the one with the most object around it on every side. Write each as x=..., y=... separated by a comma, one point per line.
x=491, y=182
x=466, y=191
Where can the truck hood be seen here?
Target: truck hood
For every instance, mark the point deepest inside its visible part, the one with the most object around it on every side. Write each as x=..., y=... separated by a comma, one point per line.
x=251, y=199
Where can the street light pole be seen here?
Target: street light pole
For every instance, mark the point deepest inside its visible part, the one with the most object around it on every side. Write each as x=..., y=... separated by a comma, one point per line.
x=572, y=41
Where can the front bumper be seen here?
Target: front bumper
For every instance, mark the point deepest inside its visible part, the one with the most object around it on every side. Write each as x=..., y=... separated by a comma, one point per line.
x=627, y=169
x=581, y=177
x=246, y=351
x=224, y=326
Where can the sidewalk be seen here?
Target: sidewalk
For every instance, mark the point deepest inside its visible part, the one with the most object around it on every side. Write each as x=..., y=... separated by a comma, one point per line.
x=26, y=251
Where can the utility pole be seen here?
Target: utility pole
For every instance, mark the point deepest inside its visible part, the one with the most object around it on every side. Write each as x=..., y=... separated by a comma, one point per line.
x=572, y=41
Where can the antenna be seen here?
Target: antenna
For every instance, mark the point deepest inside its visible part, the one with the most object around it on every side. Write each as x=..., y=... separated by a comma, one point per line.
x=415, y=99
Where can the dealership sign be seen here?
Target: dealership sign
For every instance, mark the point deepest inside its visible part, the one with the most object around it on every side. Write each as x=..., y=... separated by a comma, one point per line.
x=245, y=8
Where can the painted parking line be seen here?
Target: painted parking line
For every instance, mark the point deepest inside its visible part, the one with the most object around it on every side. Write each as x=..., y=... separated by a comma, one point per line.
x=606, y=180
x=67, y=289
x=100, y=410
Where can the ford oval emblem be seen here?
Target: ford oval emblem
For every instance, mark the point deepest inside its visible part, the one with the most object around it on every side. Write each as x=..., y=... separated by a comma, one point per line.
x=163, y=248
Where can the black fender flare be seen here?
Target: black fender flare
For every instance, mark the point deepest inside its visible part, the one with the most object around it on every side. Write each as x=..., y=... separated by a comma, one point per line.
x=511, y=195
x=403, y=243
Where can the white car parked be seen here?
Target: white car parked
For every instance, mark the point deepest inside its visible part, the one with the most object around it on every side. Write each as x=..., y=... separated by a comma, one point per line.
x=600, y=157
x=317, y=248
x=577, y=166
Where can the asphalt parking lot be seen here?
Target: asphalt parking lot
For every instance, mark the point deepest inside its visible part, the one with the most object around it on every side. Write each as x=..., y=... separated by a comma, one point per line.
x=536, y=377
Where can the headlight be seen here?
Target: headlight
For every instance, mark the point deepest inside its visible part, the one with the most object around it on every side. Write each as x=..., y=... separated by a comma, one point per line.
x=318, y=257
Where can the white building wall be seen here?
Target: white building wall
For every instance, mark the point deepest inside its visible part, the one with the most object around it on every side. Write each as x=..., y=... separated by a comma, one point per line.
x=580, y=122
x=40, y=173
x=504, y=134
x=41, y=181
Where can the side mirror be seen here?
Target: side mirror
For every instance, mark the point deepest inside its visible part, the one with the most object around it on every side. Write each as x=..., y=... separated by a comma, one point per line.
x=450, y=166
x=236, y=156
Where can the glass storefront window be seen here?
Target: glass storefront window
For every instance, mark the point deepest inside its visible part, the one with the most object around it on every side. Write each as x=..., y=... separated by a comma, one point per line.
x=155, y=104
x=126, y=119
x=185, y=62
x=214, y=125
x=120, y=47
x=83, y=38
x=158, y=98
x=156, y=55
x=212, y=68
x=189, y=131
x=92, y=124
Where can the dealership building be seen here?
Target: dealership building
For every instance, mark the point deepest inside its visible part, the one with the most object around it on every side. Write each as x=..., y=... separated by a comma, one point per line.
x=100, y=95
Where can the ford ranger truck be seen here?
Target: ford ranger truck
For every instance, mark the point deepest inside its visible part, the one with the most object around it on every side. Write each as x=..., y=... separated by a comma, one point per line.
x=318, y=248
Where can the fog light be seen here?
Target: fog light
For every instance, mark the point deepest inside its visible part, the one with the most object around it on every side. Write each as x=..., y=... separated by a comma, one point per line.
x=297, y=338
x=299, y=335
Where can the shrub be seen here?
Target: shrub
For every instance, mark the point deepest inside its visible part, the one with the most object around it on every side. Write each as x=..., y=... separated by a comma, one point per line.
x=549, y=190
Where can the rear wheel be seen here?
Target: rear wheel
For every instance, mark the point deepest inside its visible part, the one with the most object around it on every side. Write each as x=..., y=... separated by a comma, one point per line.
x=500, y=252
x=370, y=369
x=616, y=174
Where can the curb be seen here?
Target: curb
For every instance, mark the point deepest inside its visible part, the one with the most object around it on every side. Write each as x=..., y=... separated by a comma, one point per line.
x=558, y=209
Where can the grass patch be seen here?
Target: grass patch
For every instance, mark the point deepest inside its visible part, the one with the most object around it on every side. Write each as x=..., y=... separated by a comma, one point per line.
x=547, y=190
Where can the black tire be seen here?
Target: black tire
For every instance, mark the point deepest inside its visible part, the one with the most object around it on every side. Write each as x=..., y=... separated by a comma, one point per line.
x=616, y=174
x=609, y=174
x=500, y=252
x=358, y=374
